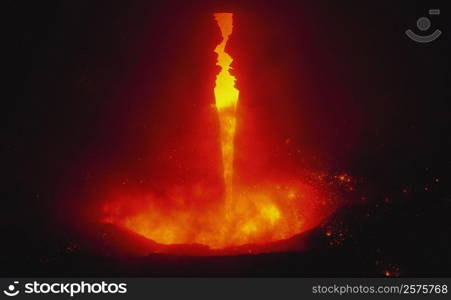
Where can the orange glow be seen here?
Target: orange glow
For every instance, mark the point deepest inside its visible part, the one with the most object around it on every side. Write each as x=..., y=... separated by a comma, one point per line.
x=257, y=214
x=235, y=214
x=226, y=96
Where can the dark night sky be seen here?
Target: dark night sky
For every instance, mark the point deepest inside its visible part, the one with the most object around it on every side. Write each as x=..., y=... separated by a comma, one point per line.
x=94, y=86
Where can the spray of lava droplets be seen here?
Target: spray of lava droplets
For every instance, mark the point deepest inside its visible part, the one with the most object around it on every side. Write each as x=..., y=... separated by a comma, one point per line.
x=266, y=211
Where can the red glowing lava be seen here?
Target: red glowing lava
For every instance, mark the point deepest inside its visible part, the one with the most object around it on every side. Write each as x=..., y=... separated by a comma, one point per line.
x=233, y=213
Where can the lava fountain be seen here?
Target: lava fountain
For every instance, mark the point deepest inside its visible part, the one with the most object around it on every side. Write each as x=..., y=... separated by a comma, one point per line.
x=267, y=211
x=226, y=96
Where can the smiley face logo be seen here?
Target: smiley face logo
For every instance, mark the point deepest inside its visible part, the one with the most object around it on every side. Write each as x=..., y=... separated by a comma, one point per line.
x=11, y=290
x=423, y=24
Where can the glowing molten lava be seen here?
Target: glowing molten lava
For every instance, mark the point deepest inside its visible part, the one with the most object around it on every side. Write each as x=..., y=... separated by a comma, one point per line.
x=226, y=100
x=270, y=209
